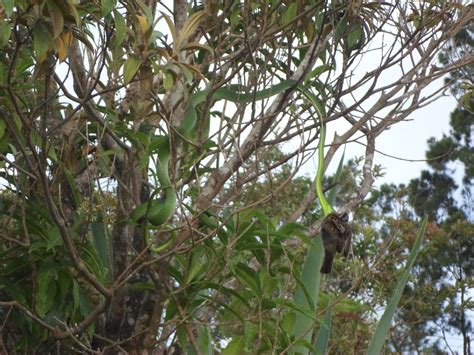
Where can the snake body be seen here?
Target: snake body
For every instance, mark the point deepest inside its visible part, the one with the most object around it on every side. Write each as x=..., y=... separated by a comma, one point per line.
x=159, y=211
x=325, y=205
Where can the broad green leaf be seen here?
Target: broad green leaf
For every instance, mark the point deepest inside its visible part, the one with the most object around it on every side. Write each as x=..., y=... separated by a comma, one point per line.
x=100, y=239
x=108, y=6
x=5, y=32
x=64, y=283
x=130, y=68
x=289, y=14
x=85, y=306
x=248, y=277
x=235, y=347
x=167, y=80
x=41, y=41
x=204, y=340
x=197, y=265
x=53, y=238
x=120, y=29
x=46, y=289
x=8, y=6
x=354, y=36
x=288, y=323
x=383, y=327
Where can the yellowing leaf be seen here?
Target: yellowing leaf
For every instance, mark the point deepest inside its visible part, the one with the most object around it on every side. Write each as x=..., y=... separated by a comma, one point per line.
x=67, y=37
x=171, y=27
x=60, y=48
x=62, y=44
x=143, y=23
x=57, y=18
x=73, y=13
x=189, y=28
x=130, y=68
x=195, y=45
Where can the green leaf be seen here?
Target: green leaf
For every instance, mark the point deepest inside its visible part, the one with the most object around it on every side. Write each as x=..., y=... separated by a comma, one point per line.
x=57, y=18
x=289, y=14
x=5, y=33
x=319, y=107
x=248, y=277
x=167, y=80
x=288, y=323
x=53, y=238
x=100, y=240
x=41, y=41
x=235, y=347
x=2, y=127
x=64, y=283
x=46, y=290
x=378, y=339
x=120, y=29
x=8, y=6
x=108, y=6
x=322, y=338
x=311, y=278
x=204, y=340
x=197, y=266
x=76, y=298
x=130, y=68
x=354, y=36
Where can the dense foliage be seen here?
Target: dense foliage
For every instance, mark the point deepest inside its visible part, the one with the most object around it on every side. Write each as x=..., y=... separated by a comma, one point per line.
x=150, y=200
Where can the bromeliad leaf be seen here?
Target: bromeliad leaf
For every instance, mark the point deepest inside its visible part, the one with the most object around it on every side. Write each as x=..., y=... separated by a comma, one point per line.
x=188, y=29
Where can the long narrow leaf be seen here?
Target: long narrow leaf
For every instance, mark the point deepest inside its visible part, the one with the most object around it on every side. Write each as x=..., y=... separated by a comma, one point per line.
x=101, y=242
x=378, y=340
x=311, y=278
x=322, y=339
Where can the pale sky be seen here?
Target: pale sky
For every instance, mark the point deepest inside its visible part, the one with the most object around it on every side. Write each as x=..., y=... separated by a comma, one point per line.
x=406, y=140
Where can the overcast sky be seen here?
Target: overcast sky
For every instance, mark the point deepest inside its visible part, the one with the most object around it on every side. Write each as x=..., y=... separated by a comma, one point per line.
x=406, y=140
